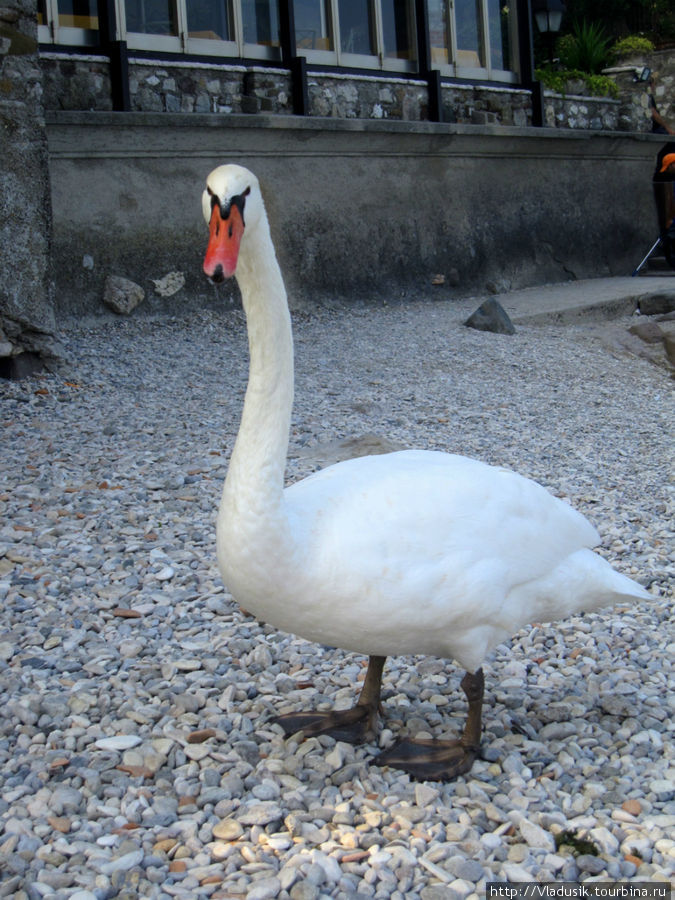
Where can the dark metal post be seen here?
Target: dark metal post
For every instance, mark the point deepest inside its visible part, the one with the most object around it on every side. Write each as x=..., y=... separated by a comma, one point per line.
x=290, y=59
x=299, y=86
x=431, y=76
x=117, y=53
x=287, y=31
x=526, y=51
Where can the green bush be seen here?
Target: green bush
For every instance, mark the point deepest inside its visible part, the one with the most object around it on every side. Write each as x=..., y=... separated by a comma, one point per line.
x=586, y=49
x=594, y=85
x=634, y=43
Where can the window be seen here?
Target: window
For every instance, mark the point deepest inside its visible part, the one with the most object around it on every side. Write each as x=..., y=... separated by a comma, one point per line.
x=68, y=21
x=248, y=28
x=357, y=28
x=366, y=33
x=470, y=53
x=398, y=30
x=210, y=21
x=478, y=41
x=261, y=22
x=151, y=17
x=313, y=25
x=472, y=39
x=501, y=26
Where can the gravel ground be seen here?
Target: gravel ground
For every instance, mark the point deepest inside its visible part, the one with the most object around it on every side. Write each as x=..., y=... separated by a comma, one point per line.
x=138, y=758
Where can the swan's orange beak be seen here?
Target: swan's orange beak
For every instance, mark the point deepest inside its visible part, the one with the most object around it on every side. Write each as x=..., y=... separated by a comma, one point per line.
x=222, y=252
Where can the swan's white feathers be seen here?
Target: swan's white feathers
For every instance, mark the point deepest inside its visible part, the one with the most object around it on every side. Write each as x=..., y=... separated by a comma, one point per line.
x=410, y=552
x=426, y=552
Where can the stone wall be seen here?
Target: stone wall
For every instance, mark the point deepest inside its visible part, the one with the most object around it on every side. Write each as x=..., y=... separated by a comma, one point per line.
x=577, y=111
x=75, y=82
x=662, y=65
x=83, y=83
x=635, y=112
x=631, y=111
x=486, y=105
x=26, y=296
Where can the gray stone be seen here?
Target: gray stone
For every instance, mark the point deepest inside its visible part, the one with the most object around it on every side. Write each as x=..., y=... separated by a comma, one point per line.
x=123, y=863
x=468, y=869
x=304, y=890
x=658, y=303
x=260, y=814
x=648, y=331
x=536, y=836
x=122, y=295
x=265, y=889
x=491, y=316
x=228, y=830
x=591, y=864
x=663, y=789
x=439, y=892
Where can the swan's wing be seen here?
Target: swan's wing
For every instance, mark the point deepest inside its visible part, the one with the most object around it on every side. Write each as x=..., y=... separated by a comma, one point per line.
x=423, y=507
x=430, y=553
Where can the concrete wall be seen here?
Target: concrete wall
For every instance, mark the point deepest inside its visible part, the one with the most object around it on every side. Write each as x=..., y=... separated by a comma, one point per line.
x=361, y=210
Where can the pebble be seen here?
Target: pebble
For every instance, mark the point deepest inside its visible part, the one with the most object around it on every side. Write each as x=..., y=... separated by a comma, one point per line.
x=138, y=752
x=537, y=837
x=119, y=742
x=122, y=863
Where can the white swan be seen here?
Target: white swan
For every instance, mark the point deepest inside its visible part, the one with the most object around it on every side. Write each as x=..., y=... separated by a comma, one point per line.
x=406, y=553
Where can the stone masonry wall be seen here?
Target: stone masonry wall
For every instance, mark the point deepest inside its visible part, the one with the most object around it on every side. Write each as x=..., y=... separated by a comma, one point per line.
x=75, y=82
x=486, y=105
x=579, y=112
x=662, y=65
x=634, y=112
x=83, y=83
x=26, y=294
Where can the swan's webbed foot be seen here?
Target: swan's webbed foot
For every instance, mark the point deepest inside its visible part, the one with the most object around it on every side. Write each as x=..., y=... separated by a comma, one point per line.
x=432, y=760
x=354, y=725
x=429, y=760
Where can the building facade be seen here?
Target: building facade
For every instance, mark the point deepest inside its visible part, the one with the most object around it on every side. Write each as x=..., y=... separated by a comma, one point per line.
x=439, y=60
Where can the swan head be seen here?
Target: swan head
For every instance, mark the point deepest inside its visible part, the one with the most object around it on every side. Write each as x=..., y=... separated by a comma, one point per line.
x=232, y=205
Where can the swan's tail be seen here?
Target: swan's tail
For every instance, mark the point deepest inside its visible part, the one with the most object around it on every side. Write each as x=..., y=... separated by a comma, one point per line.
x=580, y=583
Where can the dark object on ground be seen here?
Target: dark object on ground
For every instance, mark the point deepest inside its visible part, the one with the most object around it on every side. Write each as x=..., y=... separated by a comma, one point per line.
x=491, y=316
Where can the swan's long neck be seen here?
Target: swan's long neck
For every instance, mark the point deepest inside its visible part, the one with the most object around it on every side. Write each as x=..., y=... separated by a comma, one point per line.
x=255, y=479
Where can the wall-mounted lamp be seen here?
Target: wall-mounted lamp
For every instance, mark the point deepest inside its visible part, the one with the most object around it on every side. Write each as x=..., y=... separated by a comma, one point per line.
x=548, y=15
x=640, y=73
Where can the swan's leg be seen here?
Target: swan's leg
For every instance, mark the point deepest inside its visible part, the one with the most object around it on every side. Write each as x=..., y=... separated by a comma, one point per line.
x=353, y=725
x=431, y=760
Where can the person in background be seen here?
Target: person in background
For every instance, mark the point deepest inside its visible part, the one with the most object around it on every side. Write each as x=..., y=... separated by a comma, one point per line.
x=659, y=124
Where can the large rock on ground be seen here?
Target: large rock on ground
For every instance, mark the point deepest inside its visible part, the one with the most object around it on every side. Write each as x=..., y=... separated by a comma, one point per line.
x=122, y=295
x=491, y=316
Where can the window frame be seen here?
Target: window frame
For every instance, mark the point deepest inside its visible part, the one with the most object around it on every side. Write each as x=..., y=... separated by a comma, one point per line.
x=486, y=72
x=183, y=43
x=53, y=33
x=376, y=61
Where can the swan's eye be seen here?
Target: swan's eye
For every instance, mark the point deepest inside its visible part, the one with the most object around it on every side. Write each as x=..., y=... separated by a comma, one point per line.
x=239, y=200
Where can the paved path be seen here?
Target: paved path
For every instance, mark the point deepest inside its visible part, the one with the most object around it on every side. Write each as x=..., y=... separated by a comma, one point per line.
x=597, y=298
